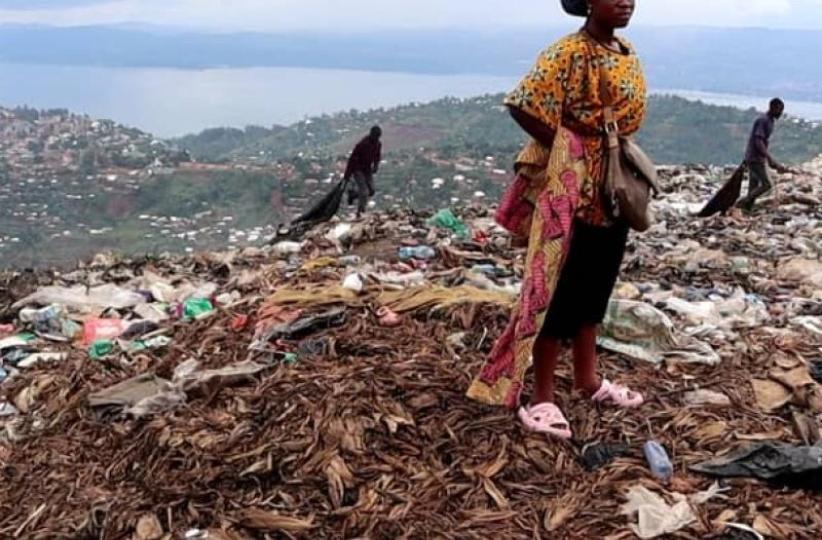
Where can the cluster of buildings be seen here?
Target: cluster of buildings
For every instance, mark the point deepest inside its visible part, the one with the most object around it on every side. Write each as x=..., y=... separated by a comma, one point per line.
x=47, y=144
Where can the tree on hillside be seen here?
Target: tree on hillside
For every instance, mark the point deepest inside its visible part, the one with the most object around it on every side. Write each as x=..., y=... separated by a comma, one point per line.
x=88, y=162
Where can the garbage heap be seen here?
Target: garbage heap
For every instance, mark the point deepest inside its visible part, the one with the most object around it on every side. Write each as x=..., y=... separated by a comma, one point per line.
x=315, y=387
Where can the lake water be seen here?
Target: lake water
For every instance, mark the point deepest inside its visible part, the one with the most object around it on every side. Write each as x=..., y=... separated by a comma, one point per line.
x=171, y=102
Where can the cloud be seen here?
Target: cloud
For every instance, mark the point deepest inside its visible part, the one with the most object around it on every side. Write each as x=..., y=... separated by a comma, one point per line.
x=359, y=15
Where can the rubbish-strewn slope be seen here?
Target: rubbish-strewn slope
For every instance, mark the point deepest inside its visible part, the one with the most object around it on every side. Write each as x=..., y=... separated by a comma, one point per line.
x=290, y=410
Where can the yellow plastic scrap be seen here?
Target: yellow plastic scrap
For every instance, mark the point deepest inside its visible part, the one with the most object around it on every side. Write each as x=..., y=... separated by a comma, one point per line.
x=319, y=294
x=317, y=264
x=437, y=296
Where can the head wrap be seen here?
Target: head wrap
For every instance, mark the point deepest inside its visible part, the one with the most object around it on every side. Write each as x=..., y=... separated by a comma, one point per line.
x=576, y=7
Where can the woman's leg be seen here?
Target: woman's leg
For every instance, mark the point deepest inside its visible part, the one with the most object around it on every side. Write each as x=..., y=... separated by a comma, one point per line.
x=586, y=379
x=546, y=355
x=589, y=383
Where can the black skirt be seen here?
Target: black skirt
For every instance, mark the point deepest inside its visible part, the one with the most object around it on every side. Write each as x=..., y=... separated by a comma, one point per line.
x=587, y=279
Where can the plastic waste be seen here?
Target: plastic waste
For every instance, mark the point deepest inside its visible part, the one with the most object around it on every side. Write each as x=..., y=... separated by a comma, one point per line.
x=595, y=456
x=38, y=358
x=457, y=341
x=639, y=330
x=102, y=329
x=140, y=396
x=314, y=347
x=7, y=409
x=239, y=322
x=157, y=312
x=703, y=398
x=101, y=349
x=797, y=467
x=738, y=531
x=188, y=377
x=157, y=342
x=81, y=298
x=657, y=518
x=339, y=233
x=481, y=237
x=6, y=329
x=482, y=281
x=287, y=248
x=299, y=328
x=445, y=219
x=51, y=322
x=350, y=260
x=816, y=371
x=11, y=356
x=487, y=269
x=388, y=318
x=162, y=292
x=812, y=325
x=658, y=461
x=136, y=329
x=353, y=282
x=422, y=253
x=195, y=309
x=409, y=279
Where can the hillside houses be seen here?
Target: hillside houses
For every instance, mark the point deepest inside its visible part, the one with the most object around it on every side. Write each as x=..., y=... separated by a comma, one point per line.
x=38, y=144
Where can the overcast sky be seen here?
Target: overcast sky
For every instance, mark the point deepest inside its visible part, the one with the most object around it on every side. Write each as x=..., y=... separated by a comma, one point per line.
x=365, y=15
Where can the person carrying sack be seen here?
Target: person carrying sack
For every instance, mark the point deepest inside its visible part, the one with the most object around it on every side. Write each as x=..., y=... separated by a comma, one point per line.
x=758, y=155
x=363, y=164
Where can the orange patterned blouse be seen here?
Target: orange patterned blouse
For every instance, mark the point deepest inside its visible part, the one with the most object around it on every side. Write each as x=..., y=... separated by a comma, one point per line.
x=563, y=89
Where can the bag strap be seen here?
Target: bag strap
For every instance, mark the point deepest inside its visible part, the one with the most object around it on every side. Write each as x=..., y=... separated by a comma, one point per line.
x=609, y=123
x=609, y=118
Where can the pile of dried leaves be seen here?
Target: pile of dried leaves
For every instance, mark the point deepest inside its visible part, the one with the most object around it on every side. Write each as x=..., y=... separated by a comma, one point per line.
x=369, y=435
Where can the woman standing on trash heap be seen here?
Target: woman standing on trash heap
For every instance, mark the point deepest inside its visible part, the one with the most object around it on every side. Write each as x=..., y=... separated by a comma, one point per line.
x=574, y=248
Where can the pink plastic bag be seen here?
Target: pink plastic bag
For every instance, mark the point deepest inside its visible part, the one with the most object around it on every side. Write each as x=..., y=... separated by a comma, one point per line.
x=97, y=329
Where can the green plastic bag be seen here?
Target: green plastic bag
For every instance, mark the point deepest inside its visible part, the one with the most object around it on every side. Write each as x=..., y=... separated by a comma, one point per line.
x=197, y=308
x=157, y=342
x=445, y=219
x=100, y=349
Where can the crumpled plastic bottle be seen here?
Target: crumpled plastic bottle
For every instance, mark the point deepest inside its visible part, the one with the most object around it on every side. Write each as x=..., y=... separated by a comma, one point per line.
x=422, y=253
x=658, y=461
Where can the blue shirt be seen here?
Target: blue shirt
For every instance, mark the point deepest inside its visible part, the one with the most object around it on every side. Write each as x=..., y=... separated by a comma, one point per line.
x=762, y=130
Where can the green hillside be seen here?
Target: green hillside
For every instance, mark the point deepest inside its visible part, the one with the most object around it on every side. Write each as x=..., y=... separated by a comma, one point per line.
x=268, y=176
x=676, y=131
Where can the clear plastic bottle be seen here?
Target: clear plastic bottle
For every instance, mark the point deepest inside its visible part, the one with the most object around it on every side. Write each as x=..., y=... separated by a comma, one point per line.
x=658, y=461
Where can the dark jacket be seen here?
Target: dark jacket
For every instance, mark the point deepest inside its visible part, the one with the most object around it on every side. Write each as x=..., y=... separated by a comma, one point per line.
x=365, y=158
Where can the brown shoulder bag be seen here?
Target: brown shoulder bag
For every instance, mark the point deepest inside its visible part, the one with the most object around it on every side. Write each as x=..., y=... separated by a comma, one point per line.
x=630, y=175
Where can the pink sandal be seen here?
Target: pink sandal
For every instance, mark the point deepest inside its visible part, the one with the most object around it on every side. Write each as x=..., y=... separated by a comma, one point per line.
x=388, y=318
x=546, y=418
x=619, y=395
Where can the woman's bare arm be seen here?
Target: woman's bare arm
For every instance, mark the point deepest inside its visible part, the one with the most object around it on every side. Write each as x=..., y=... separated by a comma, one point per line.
x=533, y=127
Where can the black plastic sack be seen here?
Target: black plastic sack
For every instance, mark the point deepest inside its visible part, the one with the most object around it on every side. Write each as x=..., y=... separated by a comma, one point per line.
x=798, y=467
x=727, y=196
x=326, y=208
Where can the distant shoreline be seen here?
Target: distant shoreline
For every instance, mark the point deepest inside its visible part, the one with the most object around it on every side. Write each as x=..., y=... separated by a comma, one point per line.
x=173, y=103
x=807, y=110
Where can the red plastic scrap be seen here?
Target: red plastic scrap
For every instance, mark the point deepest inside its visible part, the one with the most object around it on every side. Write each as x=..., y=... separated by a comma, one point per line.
x=239, y=322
